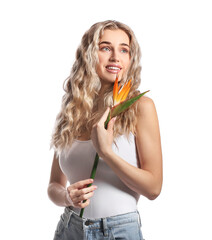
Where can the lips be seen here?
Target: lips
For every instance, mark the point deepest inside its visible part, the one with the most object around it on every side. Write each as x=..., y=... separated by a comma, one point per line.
x=113, y=68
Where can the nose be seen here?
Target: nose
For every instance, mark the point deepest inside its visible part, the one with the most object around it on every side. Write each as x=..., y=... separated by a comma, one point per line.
x=114, y=56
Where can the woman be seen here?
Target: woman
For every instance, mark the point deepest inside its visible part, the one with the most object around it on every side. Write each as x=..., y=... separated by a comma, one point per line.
x=130, y=151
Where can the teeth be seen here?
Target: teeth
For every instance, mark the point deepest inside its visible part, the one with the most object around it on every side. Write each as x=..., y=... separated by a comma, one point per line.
x=113, y=68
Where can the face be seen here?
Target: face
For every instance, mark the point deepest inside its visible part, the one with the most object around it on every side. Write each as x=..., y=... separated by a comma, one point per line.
x=114, y=55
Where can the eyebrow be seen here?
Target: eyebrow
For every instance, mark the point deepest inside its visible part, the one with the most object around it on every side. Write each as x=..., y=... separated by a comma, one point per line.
x=106, y=42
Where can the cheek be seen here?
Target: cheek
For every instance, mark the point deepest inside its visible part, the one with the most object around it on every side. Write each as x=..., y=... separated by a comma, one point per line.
x=101, y=59
x=126, y=63
x=99, y=65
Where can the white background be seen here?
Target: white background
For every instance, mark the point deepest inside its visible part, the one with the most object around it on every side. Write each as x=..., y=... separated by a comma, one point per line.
x=38, y=44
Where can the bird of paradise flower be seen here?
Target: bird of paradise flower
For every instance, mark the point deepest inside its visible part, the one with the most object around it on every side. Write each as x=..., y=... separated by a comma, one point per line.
x=119, y=106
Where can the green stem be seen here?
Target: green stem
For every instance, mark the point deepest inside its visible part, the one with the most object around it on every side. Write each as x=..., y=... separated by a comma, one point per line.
x=93, y=173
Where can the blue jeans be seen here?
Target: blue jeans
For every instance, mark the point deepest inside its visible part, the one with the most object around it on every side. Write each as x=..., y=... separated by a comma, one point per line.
x=125, y=226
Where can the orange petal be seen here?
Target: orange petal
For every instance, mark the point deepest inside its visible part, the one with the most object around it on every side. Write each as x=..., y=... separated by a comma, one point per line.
x=126, y=94
x=124, y=91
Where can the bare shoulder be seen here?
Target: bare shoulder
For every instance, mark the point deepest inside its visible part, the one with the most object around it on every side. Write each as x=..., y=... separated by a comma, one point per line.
x=146, y=119
x=146, y=107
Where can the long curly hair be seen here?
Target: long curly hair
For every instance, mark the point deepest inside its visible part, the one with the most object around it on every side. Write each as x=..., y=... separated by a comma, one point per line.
x=81, y=102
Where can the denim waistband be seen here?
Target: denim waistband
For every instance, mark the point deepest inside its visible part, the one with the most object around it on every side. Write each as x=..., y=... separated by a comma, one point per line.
x=100, y=223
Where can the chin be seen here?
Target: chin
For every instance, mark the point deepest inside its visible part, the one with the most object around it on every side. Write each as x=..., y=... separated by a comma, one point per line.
x=111, y=78
x=107, y=81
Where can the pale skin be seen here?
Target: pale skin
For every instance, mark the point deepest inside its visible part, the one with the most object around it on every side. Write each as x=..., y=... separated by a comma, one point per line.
x=146, y=180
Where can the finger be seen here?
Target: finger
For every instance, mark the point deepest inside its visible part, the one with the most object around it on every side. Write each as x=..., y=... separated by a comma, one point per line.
x=84, y=197
x=84, y=194
x=82, y=204
x=85, y=190
x=111, y=124
x=104, y=116
x=82, y=183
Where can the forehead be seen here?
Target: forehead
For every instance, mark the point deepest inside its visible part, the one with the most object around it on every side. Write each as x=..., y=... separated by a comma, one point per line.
x=115, y=36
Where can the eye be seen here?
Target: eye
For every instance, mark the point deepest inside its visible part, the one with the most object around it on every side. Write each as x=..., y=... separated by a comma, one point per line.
x=124, y=50
x=105, y=49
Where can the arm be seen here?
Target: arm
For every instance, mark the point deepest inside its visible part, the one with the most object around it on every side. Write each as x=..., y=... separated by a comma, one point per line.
x=74, y=194
x=148, y=145
x=146, y=180
x=57, y=185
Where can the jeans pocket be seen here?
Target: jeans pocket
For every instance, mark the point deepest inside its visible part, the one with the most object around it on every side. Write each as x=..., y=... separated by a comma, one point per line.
x=127, y=231
x=60, y=227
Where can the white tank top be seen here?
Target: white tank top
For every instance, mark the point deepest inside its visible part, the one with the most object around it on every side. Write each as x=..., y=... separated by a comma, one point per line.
x=112, y=197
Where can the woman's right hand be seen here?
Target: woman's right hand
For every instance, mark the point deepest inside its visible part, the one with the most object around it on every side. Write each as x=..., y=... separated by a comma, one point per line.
x=79, y=191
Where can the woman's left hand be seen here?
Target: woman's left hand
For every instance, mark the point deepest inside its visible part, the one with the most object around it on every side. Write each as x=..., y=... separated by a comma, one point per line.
x=103, y=138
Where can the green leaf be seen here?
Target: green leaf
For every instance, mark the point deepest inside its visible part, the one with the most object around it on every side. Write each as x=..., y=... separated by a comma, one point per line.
x=124, y=105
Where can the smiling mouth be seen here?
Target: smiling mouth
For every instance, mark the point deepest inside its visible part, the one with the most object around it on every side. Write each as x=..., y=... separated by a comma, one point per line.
x=113, y=69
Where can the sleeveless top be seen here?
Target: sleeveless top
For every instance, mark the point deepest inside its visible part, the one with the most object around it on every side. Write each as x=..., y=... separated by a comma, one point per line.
x=112, y=197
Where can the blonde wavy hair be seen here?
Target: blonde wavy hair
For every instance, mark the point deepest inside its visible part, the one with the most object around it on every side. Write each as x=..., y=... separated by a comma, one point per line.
x=81, y=102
